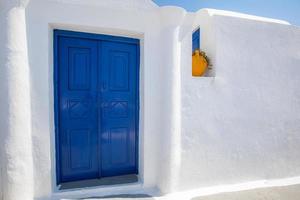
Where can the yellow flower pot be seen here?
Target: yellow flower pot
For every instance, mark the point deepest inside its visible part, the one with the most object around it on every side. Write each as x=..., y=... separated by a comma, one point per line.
x=199, y=64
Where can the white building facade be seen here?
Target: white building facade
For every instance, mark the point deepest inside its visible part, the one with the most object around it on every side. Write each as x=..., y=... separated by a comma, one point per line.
x=238, y=124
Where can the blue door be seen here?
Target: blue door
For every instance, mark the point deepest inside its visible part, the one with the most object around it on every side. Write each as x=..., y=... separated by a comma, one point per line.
x=96, y=105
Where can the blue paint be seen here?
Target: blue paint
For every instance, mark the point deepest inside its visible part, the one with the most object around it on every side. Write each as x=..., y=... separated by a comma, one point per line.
x=96, y=105
x=196, y=40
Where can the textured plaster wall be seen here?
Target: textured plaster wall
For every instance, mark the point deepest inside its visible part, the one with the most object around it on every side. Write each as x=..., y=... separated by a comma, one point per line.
x=169, y=137
x=239, y=124
x=1, y=88
x=143, y=23
x=15, y=130
x=243, y=124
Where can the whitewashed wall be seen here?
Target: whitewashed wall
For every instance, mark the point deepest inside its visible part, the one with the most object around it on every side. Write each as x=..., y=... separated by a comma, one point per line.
x=15, y=116
x=243, y=124
x=239, y=124
x=127, y=19
x=1, y=88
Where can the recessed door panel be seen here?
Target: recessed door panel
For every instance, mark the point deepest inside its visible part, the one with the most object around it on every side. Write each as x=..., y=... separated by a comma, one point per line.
x=118, y=71
x=79, y=68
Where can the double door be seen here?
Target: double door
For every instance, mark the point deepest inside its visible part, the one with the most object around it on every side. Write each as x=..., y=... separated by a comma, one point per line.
x=96, y=105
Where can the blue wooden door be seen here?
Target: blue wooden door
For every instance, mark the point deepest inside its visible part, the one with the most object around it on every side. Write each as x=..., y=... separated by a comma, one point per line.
x=96, y=105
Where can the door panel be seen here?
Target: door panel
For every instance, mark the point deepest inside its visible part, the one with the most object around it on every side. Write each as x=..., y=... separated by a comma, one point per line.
x=119, y=101
x=78, y=110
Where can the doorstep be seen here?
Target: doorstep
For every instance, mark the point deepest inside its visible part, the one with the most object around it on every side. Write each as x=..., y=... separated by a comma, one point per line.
x=98, y=191
x=107, y=181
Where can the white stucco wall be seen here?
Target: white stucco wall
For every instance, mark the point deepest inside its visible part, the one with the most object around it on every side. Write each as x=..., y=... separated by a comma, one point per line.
x=239, y=124
x=243, y=124
x=142, y=22
x=15, y=116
